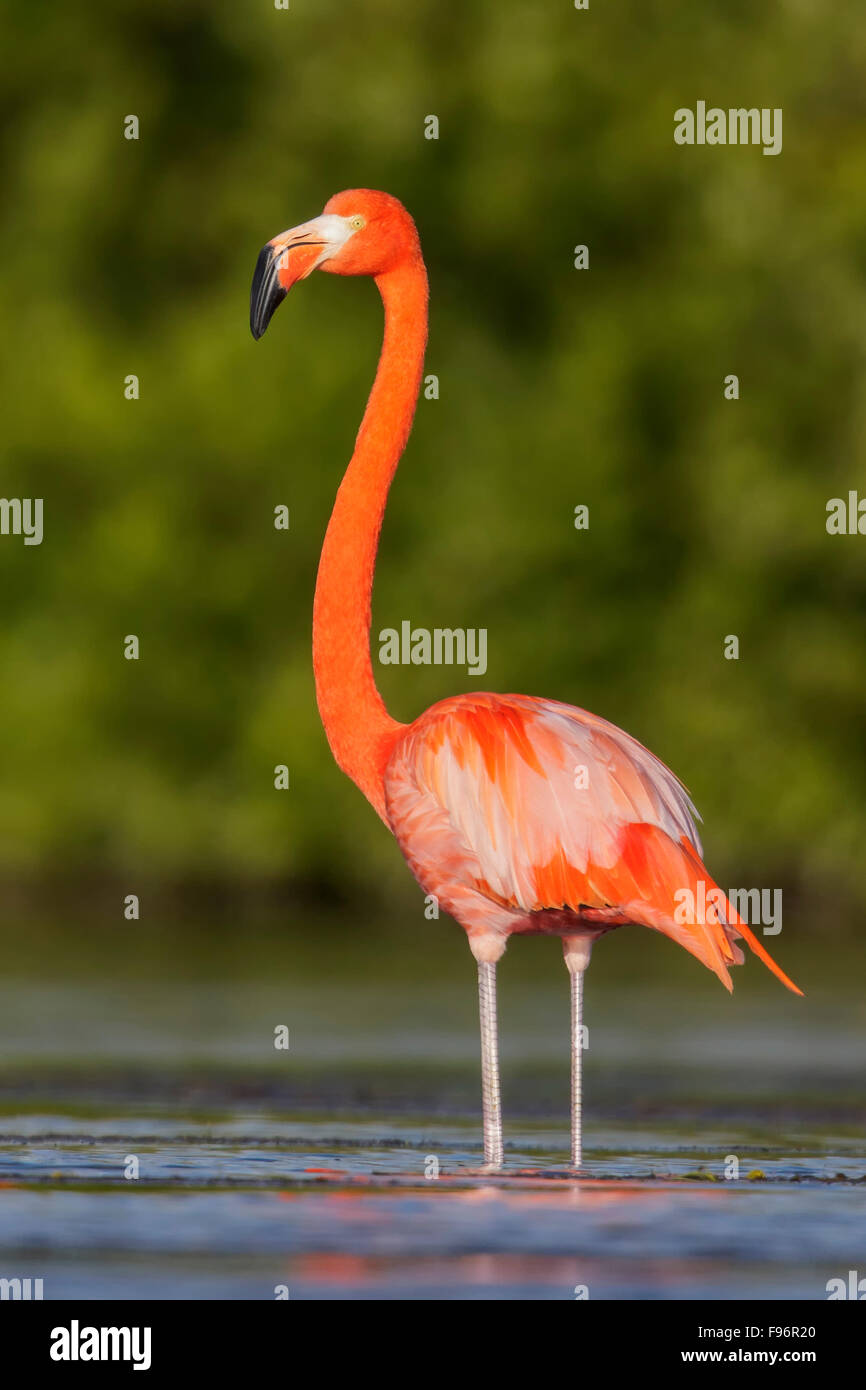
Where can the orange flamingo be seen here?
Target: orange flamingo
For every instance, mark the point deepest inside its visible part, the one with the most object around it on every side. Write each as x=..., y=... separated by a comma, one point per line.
x=521, y=815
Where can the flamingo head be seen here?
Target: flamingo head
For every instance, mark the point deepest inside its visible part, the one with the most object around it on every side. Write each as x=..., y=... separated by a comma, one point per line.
x=360, y=232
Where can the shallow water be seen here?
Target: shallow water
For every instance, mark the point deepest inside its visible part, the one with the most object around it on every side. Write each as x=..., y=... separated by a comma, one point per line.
x=349, y=1166
x=239, y=1205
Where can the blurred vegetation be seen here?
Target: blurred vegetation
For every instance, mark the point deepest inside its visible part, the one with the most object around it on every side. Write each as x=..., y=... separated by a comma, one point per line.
x=558, y=387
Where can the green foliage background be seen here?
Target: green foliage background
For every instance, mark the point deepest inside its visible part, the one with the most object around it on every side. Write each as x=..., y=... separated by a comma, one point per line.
x=557, y=387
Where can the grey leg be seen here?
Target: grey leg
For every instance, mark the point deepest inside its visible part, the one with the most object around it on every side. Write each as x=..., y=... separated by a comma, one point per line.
x=491, y=1102
x=577, y=952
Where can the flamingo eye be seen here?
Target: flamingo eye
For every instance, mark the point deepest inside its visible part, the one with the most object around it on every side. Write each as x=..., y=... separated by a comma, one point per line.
x=356, y=223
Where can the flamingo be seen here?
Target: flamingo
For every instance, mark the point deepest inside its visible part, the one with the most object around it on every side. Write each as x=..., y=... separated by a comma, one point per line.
x=523, y=816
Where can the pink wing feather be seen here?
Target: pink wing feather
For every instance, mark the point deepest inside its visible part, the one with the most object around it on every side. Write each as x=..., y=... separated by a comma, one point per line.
x=525, y=814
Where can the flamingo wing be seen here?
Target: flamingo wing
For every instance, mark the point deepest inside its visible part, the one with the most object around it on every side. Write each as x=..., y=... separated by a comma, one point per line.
x=512, y=809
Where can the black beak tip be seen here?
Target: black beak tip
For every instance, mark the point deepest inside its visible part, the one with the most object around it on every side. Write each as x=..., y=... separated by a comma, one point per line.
x=266, y=292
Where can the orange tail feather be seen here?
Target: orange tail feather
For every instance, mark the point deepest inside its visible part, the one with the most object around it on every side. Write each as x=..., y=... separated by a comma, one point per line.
x=659, y=868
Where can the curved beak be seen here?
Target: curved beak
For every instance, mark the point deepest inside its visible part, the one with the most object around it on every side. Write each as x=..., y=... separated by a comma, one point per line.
x=290, y=257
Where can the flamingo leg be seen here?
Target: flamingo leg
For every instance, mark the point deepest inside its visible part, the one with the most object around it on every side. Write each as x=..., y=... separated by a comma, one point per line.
x=577, y=951
x=490, y=1097
x=576, y=1068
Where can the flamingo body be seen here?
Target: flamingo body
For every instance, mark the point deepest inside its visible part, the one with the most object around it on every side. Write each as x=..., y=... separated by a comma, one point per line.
x=520, y=815
x=525, y=816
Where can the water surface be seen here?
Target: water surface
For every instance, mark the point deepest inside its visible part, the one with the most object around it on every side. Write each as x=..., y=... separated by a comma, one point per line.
x=155, y=1144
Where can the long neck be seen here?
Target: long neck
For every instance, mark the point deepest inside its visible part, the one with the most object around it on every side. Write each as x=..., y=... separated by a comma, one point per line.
x=359, y=728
